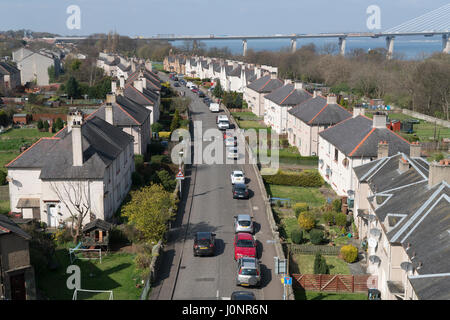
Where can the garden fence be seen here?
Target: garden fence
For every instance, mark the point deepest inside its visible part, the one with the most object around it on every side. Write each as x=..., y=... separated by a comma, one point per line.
x=335, y=283
x=4, y=193
x=313, y=249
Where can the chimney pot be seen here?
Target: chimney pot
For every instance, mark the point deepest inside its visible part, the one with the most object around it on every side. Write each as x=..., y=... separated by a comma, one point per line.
x=358, y=111
x=379, y=121
x=331, y=99
x=383, y=149
x=438, y=172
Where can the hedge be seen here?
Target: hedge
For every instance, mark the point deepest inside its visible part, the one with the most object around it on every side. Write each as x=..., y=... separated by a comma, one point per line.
x=306, y=178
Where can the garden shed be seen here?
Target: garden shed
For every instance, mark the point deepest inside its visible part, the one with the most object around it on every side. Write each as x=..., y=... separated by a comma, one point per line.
x=96, y=233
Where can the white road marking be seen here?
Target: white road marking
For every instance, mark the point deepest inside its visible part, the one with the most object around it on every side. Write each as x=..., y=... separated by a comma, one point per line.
x=255, y=208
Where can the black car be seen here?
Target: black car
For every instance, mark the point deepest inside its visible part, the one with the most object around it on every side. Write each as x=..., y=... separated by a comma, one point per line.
x=240, y=191
x=243, y=295
x=204, y=244
x=201, y=94
x=176, y=84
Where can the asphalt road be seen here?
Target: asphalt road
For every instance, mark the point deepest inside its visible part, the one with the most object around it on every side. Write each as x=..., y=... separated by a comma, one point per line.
x=211, y=207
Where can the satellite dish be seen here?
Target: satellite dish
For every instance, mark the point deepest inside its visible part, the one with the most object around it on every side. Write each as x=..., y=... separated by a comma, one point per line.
x=407, y=266
x=372, y=242
x=375, y=232
x=350, y=192
x=371, y=217
x=374, y=259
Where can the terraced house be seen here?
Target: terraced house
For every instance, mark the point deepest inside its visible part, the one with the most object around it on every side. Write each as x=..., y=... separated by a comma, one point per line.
x=87, y=164
x=353, y=142
x=9, y=76
x=403, y=212
x=307, y=119
x=255, y=92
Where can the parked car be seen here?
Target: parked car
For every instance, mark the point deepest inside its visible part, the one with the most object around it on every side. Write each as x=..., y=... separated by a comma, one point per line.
x=244, y=245
x=248, y=272
x=204, y=244
x=232, y=153
x=237, y=176
x=194, y=90
x=231, y=141
x=224, y=124
x=214, y=107
x=243, y=223
x=176, y=84
x=221, y=117
x=242, y=295
x=240, y=191
x=201, y=94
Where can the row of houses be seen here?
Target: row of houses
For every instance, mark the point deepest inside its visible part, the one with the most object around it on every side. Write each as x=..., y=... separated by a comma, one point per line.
x=115, y=65
x=9, y=76
x=91, y=160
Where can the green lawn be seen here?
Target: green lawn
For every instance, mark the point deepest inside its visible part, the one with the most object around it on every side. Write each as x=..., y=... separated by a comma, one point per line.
x=314, y=295
x=312, y=196
x=245, y=115
x=4, y=206
x=252, y=124
x=305, y=264
x=116, y=272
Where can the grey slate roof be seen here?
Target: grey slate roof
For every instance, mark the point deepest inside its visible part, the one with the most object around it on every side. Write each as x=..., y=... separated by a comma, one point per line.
x=317, y=112
x=97, y=224
x=153, y=82
x=287, y=95
x=7, y=226
x=102, y=143
x=7, y=69
x=355, y=137
x=147, y=97
x=431, y=288
x=265, y=84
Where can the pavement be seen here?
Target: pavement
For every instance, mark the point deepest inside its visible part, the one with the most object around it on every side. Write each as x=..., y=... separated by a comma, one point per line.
x=207, y=205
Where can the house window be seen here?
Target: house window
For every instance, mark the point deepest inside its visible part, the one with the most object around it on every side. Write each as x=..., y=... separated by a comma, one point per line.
x=336, y=154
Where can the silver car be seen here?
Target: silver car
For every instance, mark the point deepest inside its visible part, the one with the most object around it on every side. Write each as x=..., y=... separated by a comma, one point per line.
x=243, y=223
x=248, y=272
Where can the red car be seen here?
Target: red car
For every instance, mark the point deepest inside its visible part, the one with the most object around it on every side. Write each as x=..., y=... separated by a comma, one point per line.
x=195, y=90
x=244, y=245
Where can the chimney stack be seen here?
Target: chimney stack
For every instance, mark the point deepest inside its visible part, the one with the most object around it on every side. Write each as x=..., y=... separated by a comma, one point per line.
x=438, y=172
x=415, y=150
x=273, y=75
x=383, y=149
x=138, y=85
x=298, y=85
x=403, y=164
x=109, y=113
x=77, y=144
x=113, y=86
x=73, y=116
x=122, y=81
x=379, y=121
x=358, y=112
x=331, y=99
x=287, y=81
x=111, y=97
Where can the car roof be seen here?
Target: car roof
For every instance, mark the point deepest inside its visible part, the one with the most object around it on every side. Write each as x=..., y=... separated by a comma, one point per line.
x=248, y=262
x=238, y=171
x=242, y=294
x=244, y=217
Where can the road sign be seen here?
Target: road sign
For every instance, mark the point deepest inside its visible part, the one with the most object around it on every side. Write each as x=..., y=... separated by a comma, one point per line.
x=180, y=175
x=288, y=281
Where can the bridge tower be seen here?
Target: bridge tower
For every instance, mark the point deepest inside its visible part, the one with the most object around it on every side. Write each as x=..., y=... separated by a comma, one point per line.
x=342, y=43
x=293, y=45
x=446, y=43
x=244, y=47
x=390, y=46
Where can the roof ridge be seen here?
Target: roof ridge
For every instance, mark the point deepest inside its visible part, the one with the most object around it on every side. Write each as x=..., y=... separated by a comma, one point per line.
x=361, y=142
x=317, y=113
x=122, y=108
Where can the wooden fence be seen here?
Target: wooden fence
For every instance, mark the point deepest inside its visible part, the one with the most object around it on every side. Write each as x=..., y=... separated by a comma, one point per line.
x=313, y=249
x=334, y=283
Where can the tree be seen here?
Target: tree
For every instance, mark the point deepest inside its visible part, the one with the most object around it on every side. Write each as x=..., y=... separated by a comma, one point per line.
x=320, y=265
x=157, y=127
x=46, y=126
x=175, y=121
x=76, y=197
x=72, y=88
x=297, y=236
x=150, y=209
x=340, y=219
x=40, y=125
x=59, y=124
x=218, y=91
x=307, y=220
x=316, y=236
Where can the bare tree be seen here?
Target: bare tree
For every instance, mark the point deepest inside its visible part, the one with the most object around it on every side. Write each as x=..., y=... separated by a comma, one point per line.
x=75, y=195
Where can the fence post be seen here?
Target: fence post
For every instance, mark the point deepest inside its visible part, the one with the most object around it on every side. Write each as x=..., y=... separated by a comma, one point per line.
x=353, y=283
x=320, y=282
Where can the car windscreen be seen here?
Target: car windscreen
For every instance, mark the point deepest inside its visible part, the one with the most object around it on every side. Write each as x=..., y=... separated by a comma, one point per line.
x=244, y=223
x=248, y=272
x=203, y=241
x=238, y=175
x=240, y=187
x=245, y=243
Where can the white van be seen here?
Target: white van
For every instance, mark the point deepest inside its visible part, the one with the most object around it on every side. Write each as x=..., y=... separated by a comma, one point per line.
x=189, y=84
x=221, y=117
x=214, y=107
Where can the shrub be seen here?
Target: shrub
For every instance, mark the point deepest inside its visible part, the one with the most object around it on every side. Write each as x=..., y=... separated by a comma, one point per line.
x=2, y=177
x=306, y=178
x=156, y=127
x=316, y=236
x=328, y=217
x=297, y=236
x=63, y=235
x=168, y=182
x=349, y=253
x=340, y=219
x=300, y=207
x=164, y=134
x=337, y=205
x=320, y=265
x=136, y=179
x=278, y=204
x=307, y=220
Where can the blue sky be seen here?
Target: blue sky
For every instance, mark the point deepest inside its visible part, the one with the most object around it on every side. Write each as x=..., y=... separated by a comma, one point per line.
x=189, y=17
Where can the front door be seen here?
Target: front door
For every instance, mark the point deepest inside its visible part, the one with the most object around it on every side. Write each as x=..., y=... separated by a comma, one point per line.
x=18, y=291
x=52, y=216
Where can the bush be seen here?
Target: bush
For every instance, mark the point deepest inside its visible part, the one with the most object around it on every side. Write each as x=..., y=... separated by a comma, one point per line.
x=2, y=177
x=168, y=182
x=316, y=236
x=340, y=219
x=328, y=217
x=157, y=127
x=306, y=178
x=307, y=220
x=300, y=207
x=297, y=236
x=63, y=235
x=320, y=265
x=136, y=179
x=278, y=204
x=337, y=205
x=349, y=253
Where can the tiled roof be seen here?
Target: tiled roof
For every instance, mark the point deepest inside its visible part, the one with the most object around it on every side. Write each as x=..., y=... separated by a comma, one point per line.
x=265, y=84
x=9, y=226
